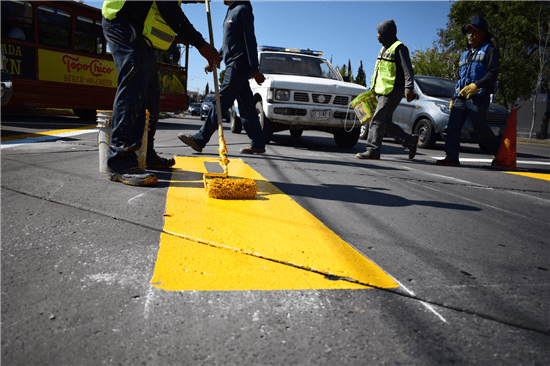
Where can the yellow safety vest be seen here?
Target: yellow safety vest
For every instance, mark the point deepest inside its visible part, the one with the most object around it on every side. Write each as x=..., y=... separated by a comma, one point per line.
x=156, y=31
x=385, y=70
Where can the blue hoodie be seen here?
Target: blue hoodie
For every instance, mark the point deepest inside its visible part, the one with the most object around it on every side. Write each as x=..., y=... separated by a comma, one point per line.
x=239, y=41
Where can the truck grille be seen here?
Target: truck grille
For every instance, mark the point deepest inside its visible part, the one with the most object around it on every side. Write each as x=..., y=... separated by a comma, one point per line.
x=321, y=98
x=341, y=100
x=301, y=97
x=317, y=98
x=496, y=118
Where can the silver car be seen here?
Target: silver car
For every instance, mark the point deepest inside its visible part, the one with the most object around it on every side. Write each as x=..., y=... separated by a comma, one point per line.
x=428, y=115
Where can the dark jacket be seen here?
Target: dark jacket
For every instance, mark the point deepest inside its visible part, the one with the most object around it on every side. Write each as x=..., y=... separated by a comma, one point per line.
x=136, y=12
x=404, y=73
x=239, y=41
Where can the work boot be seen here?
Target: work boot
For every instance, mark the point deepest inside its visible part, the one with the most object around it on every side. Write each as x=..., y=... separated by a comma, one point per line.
x=154, y=161
x=132, y=177
x=448, y=162
x=368, y=155
x=412, y=148
x=252, y=150
x=189, y=140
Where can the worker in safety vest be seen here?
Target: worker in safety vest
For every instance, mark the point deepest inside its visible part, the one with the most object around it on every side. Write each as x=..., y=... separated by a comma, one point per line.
x=393, y=78
x=477, y=76
x=133, y=30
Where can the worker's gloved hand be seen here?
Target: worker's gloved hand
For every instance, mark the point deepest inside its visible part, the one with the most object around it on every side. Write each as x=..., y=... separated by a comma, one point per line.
x=210, y=54
x=409, y=94
x=207, y=68
x=451, y=104
x=259, y=77
x=469, y=90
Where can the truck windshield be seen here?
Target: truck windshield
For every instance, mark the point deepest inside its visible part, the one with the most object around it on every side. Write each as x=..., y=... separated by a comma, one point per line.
x=286, y=64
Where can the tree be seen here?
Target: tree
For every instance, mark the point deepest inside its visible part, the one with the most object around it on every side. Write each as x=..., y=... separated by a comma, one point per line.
x=436, y=62
x=350, y=73
x=206, y=90
x=343, y=70
x=361, y=77
x=514, y=25
x=222, y=75
x=543, y=58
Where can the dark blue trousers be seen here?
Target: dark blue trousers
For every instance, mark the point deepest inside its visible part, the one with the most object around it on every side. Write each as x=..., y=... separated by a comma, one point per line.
x=235, y=86
x=138, y=88
x=476, y=109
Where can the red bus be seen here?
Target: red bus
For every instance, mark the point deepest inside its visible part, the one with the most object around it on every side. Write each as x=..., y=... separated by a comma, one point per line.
x=57, y=57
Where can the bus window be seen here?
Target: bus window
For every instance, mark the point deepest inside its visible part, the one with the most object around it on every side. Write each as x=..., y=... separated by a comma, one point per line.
x=54, y=27
x=17, y=20
x=99, y=40
x=85, y=35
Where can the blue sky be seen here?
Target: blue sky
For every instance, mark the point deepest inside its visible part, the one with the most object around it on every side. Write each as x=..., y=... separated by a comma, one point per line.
x=341, y=29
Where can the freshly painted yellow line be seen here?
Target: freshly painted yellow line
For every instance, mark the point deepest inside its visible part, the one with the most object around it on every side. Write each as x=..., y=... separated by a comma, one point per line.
x=270, y=243
x=532, y=175
x=45, y=133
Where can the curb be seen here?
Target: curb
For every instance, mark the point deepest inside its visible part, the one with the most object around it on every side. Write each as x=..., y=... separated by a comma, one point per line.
x=533, y=142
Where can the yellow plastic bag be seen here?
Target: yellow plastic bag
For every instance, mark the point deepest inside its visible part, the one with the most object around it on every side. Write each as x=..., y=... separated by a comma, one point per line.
x=365, y=106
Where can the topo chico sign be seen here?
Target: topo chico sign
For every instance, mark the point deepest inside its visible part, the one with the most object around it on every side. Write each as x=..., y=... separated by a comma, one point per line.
x=76, y=69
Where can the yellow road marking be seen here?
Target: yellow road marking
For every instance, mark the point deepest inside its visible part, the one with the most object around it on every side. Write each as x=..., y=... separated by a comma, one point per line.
x=533, y=175
x=45, y=133
x=270, y=243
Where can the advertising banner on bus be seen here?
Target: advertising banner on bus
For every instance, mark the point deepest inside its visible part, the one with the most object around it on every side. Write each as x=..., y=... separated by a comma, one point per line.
x=76, y=69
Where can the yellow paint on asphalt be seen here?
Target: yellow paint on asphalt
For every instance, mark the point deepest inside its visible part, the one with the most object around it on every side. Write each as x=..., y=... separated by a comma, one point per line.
x=532, y=175
x=45, y=133
x=270, y=243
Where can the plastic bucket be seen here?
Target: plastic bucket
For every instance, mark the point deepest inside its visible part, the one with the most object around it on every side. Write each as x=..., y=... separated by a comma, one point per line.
x=104, y=125
x=365, y=105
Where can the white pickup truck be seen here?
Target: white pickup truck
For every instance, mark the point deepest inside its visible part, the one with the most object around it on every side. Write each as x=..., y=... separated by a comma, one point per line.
x=302, y=91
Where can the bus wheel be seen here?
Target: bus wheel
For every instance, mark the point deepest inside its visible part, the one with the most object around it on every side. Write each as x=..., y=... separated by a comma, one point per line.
x=85, y=114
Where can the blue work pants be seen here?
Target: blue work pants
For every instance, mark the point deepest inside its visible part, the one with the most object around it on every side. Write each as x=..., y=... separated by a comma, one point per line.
x=476, y=109
x=138, y=87
x=235, y=86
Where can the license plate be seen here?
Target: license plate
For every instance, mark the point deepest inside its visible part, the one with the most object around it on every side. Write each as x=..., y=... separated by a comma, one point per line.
x=321, y=114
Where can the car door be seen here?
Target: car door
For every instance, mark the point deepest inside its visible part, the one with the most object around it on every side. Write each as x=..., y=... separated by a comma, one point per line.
x=404, y=111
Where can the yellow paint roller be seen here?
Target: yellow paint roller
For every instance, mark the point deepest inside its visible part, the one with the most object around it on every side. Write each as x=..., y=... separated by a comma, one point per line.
x=221, y=186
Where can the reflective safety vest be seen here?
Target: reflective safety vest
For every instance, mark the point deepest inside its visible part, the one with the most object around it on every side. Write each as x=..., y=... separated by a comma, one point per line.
x=156, y=31
x=385, y=70
x=473, y=70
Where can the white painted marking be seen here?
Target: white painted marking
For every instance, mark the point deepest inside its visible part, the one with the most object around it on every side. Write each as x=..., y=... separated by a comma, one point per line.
x=471, y=160
x=428, y=306
x=32, y=140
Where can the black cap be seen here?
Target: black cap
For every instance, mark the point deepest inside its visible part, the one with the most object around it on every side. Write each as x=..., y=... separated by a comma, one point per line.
x=478, y=23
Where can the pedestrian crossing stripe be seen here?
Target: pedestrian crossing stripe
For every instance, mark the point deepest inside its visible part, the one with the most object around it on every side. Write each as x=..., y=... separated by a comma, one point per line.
x=269, y=243
x=532, y=175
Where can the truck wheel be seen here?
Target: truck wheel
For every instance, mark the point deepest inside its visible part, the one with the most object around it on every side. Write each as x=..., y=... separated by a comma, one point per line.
x=364, y=131
x=425, y=132
x=85, y=114
x=346, y=139
x=267, y=125
x=236, y=123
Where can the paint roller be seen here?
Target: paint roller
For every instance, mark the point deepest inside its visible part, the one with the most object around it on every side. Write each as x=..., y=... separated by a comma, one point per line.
x=219, y=185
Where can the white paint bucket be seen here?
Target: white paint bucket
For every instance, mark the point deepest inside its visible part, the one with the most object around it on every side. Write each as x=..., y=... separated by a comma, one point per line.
x=104, y=138
x=104, y=125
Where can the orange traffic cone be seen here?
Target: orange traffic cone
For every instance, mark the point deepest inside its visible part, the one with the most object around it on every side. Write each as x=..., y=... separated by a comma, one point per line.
x=506, y=156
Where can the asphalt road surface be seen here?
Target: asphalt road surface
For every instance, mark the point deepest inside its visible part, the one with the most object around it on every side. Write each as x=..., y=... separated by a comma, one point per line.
x=339, y=261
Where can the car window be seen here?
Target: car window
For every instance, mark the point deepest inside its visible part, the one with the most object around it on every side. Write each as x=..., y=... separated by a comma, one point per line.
x=210, y=98
x=436, y=87
x=276, y=63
